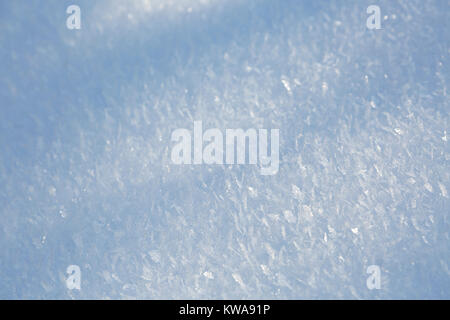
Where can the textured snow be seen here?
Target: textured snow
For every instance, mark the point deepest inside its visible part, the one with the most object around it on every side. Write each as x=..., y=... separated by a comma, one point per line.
x=86, y=178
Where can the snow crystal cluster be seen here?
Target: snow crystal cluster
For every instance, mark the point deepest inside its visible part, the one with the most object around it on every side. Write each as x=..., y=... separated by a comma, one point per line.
x=86, y=177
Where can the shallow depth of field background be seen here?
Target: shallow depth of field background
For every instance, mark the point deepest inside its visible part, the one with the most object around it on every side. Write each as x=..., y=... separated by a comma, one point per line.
x=85, y=171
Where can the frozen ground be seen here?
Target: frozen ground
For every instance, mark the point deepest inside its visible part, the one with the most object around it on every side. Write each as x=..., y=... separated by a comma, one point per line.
x=85, y=172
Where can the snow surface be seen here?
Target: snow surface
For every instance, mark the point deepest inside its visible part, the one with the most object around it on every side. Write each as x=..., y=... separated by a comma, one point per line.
x=86, y=178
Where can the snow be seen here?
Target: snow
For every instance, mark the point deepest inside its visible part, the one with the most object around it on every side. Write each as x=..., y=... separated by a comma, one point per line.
x=86, y=177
